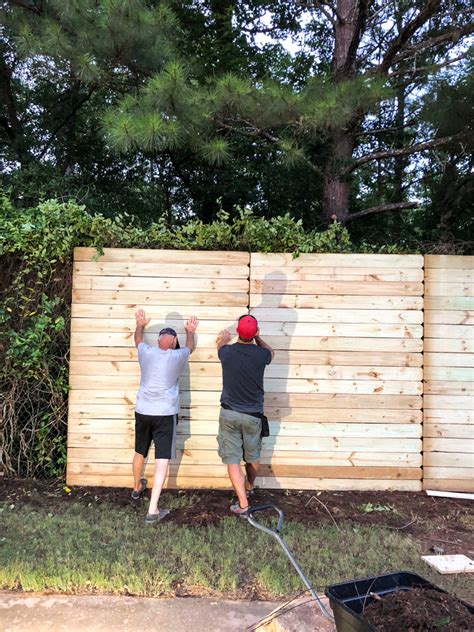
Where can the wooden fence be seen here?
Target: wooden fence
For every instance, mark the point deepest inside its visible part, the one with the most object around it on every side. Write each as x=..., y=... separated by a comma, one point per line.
x=448, y=447
x=343, y=395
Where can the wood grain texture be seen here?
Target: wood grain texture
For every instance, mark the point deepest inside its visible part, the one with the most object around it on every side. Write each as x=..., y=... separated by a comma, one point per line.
x=343, y=395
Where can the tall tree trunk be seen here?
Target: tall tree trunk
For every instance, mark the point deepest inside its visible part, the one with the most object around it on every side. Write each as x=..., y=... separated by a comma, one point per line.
x=348, y=28
x=336, y=188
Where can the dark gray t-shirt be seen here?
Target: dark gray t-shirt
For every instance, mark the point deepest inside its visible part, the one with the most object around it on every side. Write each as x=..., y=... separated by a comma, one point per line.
x=243, y=366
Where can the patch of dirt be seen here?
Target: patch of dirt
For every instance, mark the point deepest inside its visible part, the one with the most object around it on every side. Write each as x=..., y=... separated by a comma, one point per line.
x=443, y=525
x=419, y=610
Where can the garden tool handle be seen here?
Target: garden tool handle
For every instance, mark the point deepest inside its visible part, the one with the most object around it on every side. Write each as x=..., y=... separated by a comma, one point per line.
x=255, y=523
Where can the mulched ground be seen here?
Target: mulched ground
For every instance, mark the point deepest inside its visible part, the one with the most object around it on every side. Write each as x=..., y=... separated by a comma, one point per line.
x=441, y=524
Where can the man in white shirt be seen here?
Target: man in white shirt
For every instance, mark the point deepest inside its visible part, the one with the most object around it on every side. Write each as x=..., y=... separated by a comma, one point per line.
x=157, y=406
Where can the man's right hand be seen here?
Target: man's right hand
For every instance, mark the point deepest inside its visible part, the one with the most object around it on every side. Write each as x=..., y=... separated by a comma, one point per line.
x=141, y=319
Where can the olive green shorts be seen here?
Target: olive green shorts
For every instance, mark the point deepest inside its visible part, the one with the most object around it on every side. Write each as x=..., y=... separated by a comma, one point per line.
x=239, y=437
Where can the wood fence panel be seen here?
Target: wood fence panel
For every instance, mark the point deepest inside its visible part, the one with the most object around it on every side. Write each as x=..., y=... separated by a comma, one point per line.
x=104, y=371
x=344, y=394
x=347, y=332
x=448, y=444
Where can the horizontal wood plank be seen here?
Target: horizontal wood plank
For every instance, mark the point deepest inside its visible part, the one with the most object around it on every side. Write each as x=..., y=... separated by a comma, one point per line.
x=320, y=273
x=204, y=457
x=82, y=411
x=449, y=485
x=135, y=299
x=449, y=345
x=350, y=288
x=449, y=317
x=448, y=303
x=446, y=473
x=292, y=400
x=181, y=482
x=162, y=270
x=448, y=416
x=284, y=343
x=202, y=383
x=205, y=442
x=449, y=431
x=447, y=459
x=448, y=402
x=433, y=330
x=450, y=374
x=265, y=471
x=440, y=444
x=277, y=428
x=433, y=387
x=157, y=312
x=335, y=301
x=449, y=275
x=321, y=358
x=365, y=316
x=442, y=288
x=449, y=261
x=376, y=261
x=85, y=282
x=208, y=369
x=163, y=256
x=447, y=360
x=287, y=329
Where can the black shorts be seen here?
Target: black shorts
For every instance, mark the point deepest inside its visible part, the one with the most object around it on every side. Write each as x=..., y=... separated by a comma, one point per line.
x=159, y=428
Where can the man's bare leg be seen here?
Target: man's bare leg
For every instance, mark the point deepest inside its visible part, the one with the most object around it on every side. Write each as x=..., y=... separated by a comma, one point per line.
x=238, y=481
x=161, y=470
x=137, y=468
x=251, y=470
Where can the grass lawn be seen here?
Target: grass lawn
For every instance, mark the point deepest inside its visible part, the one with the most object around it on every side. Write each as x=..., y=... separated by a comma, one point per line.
x=84, y=547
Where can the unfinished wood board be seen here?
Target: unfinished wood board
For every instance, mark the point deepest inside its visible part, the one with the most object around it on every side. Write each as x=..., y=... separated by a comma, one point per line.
x=162, y=256
x=374, y=261
x=182, y=482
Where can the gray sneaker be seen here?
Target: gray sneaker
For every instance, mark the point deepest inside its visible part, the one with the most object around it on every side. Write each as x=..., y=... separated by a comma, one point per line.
x=137, y=494
x=152, y=518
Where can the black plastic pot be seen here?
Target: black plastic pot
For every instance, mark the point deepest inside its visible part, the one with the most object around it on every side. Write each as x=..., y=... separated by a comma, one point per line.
x=349, y=599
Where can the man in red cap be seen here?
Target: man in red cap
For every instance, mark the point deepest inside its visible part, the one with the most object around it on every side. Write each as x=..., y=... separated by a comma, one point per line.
x=240, y=420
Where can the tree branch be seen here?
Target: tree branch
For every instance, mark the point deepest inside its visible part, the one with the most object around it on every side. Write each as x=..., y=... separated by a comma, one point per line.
x=410, y=29
x=382, y=208
x=411, y=149
x=254, y=132
x=453, y=34
x=432, y=67
x=326, y=13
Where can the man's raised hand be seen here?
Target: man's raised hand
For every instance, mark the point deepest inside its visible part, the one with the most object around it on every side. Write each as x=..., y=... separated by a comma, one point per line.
x=223, y=337
x=191, y=324
x=141, y=319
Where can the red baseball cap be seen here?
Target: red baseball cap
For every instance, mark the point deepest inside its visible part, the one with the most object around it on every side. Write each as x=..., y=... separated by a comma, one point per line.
x=247, y=327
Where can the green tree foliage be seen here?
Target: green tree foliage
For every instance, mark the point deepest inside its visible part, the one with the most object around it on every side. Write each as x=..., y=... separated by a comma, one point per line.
x=163, y=108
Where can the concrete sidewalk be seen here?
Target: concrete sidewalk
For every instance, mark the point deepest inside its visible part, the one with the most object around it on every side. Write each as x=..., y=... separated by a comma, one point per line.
x=24, y=612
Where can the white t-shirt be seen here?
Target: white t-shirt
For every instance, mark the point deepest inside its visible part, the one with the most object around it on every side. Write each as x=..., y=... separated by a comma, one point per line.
x=160, y=369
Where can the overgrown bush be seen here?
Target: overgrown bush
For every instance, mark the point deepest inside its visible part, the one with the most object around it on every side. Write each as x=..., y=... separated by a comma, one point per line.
x=36, y=250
